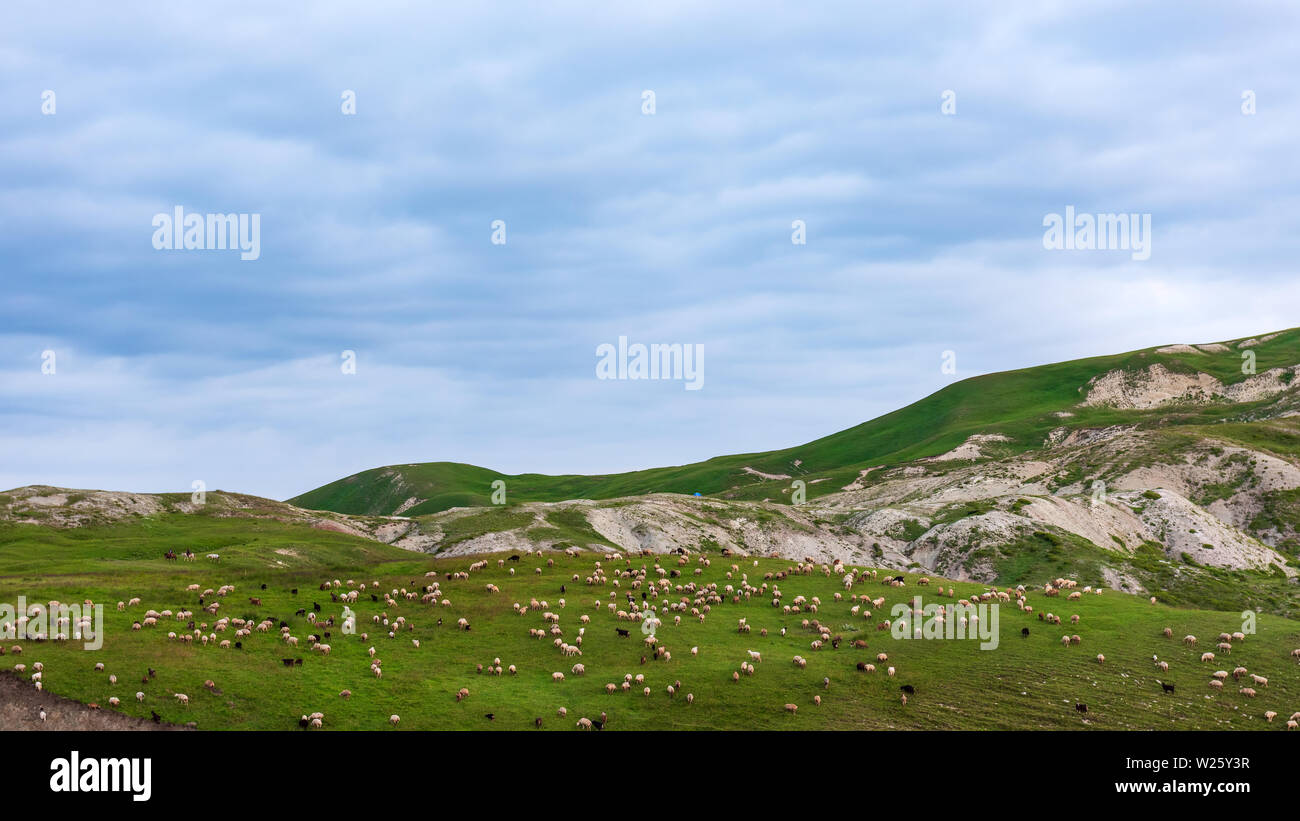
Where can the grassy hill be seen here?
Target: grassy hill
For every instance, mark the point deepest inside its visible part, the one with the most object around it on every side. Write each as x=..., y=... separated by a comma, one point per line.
x=1026, y=682
x=1020, y=404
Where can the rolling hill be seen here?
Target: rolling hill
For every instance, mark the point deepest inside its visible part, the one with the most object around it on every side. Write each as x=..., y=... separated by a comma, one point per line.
x=1173, y=469
x=1166, y=474
x=1023, y=405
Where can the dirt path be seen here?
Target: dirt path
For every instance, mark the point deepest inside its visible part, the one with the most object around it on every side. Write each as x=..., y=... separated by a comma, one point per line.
x=21, y=703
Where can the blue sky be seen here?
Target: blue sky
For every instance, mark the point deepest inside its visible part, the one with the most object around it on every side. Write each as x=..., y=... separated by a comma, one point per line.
x=924, y=230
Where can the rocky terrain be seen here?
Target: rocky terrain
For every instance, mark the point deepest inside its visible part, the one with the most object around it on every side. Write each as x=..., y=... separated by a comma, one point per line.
x=1190, y=474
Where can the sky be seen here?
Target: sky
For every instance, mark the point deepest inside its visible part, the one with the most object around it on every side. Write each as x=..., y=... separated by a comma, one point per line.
x=920, y=146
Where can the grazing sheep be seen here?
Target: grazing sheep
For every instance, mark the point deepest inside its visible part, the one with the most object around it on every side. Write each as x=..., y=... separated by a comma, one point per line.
x=1269, y=715
x=1189, y=640
x=139, y=697
x=1169, y=632
x=1248, y=692
x=1207, y=657
x=1101, y=659
x=557, y=676
x=183, y=699
x=1259, y=680
x=690, y=698
x=792, y=708
x=393, y=719
x=1292, y=724
x=345, y=695
x=1216, y=684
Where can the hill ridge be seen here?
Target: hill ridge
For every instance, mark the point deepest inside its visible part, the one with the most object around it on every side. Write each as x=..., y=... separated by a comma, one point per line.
x=1030, y=402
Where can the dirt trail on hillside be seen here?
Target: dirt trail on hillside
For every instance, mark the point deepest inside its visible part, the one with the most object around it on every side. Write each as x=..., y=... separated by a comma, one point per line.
x=21, y=704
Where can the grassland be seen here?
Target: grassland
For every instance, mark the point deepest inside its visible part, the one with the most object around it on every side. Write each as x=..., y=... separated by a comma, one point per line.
x=1020, y=404
x=1027, y=682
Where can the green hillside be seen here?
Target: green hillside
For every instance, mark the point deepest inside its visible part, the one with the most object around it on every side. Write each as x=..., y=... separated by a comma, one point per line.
x=1028, y=681
x=1020, y=404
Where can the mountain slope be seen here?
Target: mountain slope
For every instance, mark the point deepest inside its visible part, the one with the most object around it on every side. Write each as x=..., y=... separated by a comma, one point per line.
x=1023, y=405
x=1137, y=472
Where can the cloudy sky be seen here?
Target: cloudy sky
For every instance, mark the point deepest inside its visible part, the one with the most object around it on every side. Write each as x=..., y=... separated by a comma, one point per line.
x=924, y=229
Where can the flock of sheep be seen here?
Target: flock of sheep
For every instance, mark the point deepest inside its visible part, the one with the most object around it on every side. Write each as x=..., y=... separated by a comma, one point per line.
x=645, y=597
